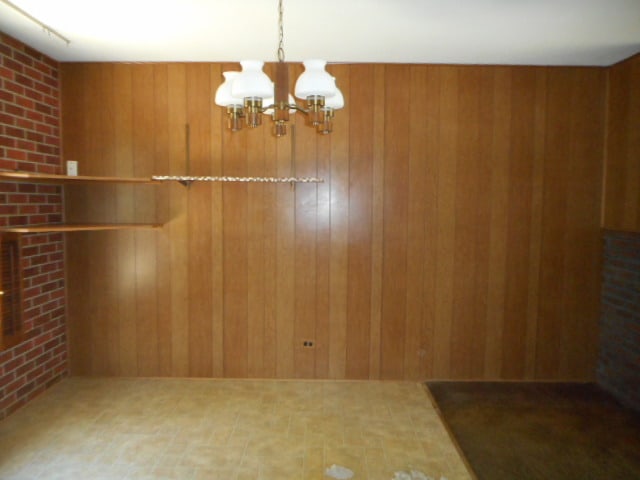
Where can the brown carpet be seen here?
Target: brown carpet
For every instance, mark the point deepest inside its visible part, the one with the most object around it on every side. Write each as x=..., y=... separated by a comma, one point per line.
x=535, y=431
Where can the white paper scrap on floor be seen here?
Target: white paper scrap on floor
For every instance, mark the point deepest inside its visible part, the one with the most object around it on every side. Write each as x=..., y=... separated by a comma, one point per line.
x=339, y=472
x=413, y=475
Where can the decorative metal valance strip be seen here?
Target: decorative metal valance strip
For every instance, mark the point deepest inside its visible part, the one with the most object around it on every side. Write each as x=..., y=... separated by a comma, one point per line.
x=46, y=28
x=189, y=179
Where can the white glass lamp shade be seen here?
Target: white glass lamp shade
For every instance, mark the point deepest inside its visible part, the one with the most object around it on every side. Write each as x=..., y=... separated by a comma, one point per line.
x=315, y=81
x=252, y=81
x=336, y=101
x=223, y=93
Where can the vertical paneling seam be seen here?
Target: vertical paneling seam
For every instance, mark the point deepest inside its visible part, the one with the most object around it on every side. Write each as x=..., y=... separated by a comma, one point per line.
x=605, y=148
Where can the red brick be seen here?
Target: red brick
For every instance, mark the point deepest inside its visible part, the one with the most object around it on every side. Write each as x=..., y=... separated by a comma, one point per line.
x=24, y=347
x=57, y=258
x=44, y=129
x=22, y=370
x=6, y=141
x=51, y=120
x=25, y=389
x=45, y=68
x=37, y=198
x=13, y=363
x=38, y=353
x=30, y=251
x=6, y=73
x=23, y=80
x=44, y=359
x=35, y=373
x=52, y=80
x=27, y=103
x=23, y=59
x=6, y=119
x=43, y=89
x=49, y=189
x=17, y=220
x=8, y=209
x=6, y=96
x=35, y=55
x=45, y=109
x=18, y=198
x=38, y=260
x=49, y=209
x=51, y=141
x=30, y=140
x=37, y=219
x=29, y=209
x=27, y=187
x=11, y=64
x=52, y=101
x=25, y=145
x=32, y=292
x=34, y=74
x=49, y=248
x=46, y=149
x=10, y=41
x=60, y=372
x=36, y=158
x=5, y=356
x=6, y=403
x=14, y=110
x=4, y=49
x=14, y=133
x=24, y=124
x=18, y=155
x=14, y=87
x=35, y=95
x=35, y=117
x=44, y=168
x=6, y=379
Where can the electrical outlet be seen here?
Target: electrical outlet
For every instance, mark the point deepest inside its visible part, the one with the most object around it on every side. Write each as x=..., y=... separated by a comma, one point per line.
x=307, y=343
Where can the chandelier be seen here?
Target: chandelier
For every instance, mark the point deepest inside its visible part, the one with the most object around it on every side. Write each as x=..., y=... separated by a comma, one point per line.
x=250, y=93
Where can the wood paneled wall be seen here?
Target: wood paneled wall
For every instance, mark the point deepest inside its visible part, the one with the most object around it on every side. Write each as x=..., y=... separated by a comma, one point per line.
x=622, y=173
x=456, y=235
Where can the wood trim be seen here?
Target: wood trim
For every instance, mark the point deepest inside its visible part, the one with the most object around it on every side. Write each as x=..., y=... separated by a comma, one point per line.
x=78, y=227
x=28, y=177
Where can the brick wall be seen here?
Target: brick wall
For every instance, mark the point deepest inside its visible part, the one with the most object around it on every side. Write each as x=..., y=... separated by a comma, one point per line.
x=30, y=140
x=619, y=361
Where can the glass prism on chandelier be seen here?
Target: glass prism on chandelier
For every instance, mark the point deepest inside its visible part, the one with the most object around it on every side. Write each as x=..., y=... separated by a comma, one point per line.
x=250, y=93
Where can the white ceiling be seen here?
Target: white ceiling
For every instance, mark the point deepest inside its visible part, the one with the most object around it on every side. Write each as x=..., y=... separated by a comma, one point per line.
x=531, y=32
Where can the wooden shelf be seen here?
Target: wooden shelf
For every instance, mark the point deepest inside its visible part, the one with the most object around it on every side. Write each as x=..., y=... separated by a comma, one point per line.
x=84, y=227
x=29, y=177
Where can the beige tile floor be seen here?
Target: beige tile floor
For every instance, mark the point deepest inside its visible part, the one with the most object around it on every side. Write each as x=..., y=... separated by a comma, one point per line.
x=191, y=429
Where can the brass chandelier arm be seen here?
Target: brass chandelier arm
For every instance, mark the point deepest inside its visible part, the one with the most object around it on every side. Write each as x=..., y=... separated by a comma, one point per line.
x=287, y=106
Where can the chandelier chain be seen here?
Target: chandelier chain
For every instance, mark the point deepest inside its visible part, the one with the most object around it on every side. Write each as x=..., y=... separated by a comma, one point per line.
x=280, y=32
